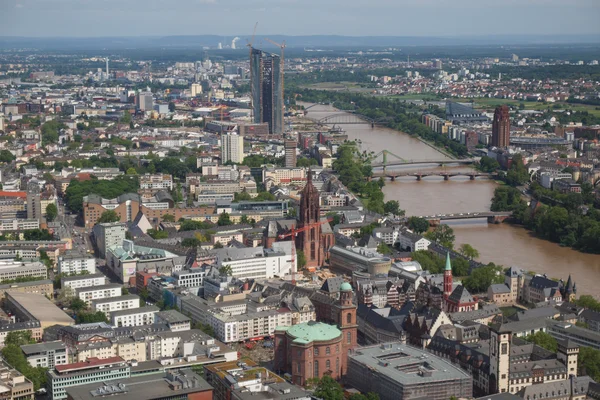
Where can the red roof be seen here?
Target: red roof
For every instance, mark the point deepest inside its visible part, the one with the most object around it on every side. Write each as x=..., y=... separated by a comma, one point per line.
x=13, y=194
x=89, y=363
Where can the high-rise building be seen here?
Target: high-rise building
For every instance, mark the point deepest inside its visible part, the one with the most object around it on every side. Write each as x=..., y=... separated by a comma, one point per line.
x=108, y=235
x=290, y=153
x=145, y=101
x=437, y=64
x=232, y=148
x=501, y=127
x=267, y=89
x=196, y=89
x=34, y=203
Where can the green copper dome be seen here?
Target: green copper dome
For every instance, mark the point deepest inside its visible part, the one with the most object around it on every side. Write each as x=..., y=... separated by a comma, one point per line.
x=345, y=287
x=313, y=331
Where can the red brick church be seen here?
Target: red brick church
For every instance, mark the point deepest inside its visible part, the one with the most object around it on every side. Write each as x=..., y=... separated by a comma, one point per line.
x=315, y=241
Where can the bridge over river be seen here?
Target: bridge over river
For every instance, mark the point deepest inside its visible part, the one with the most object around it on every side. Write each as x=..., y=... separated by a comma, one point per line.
x=420, y=175
x=493, y=217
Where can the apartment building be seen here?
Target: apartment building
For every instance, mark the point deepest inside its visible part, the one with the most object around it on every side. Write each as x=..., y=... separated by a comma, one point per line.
x=75, y=262
x=175, y=320
x=190, y=278
x=32, y=326
x=112, y=304
x=44, y=287
x=134, y=317
x=90, y=293
x=11, y=269
x=47, y=354
x=81, y=281
x=155, y=182
x=14, y=384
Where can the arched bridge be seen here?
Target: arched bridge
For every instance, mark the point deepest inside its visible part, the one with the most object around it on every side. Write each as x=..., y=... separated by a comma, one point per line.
x=420, y=175
x=349, y=117
x=389, y=159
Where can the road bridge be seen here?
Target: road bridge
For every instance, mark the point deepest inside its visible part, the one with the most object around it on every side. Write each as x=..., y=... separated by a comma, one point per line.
x=420, y=175
x=494, y=217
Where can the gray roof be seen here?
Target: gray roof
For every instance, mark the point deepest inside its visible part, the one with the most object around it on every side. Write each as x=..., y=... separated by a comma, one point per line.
x=483, y=312
x=497, y=288
x=42, y=347
x=118, y=298
x=145, y=309
x=81, y=277
x=561, y=388
x=99, y=287
x=332, y=285
x=172, y=316
x=401, y=361
x=461, y=295
x=540, y=312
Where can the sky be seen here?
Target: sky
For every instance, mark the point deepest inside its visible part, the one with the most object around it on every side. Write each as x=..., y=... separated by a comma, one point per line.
x=93, y=18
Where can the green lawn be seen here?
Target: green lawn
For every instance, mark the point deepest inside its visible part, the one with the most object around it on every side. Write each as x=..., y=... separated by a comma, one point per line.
x=485, y=102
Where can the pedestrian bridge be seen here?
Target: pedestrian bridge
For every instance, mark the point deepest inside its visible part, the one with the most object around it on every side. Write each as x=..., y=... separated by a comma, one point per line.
x=420, y=175
x=494, y=217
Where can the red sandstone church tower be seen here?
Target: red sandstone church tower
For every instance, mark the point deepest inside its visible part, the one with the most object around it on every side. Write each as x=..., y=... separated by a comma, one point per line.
x=309, y=241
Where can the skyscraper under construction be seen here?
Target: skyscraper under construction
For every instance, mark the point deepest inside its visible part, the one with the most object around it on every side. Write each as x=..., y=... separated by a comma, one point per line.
x=267, y=89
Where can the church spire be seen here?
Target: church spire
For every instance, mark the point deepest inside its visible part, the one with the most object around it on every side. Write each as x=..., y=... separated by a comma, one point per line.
x=448, y=264
x=448, y=277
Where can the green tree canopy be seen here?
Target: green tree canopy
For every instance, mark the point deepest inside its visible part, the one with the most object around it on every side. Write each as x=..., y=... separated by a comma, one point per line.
x=51, y=212
x=443, y=235
x=418, y=225
x=329, y=389
x=109, y=216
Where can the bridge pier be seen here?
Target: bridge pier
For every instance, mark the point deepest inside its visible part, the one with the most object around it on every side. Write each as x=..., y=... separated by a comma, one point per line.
x=446, y=177
x=393, y=178
x=472, y=177
x=418, y=177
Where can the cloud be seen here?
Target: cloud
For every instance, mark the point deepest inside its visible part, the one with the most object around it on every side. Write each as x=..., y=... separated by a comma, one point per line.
x=19, y=5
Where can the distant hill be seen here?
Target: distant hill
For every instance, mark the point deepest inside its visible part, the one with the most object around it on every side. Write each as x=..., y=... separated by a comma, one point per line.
x=315, y=41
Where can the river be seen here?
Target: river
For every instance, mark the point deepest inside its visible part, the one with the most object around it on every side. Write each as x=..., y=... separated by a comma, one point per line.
x=503, y=244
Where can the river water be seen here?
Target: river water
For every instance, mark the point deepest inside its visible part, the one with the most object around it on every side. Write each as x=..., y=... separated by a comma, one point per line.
x=503, y=244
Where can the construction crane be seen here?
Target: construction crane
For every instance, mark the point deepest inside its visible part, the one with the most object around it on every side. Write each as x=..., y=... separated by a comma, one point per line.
x=282, y=47
x=293, y=233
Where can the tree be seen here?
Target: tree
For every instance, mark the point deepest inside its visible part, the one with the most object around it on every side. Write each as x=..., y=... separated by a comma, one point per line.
x=588, y=360
x=226, y=270
x=6, y=156
x=517, y=173
x=488, y=164
x=86, y=318
x=218, y=245
x=481, y=278
x=191, y=225
x=76, y=304
x=109, y=216
x=168, y=218
x=468, y=251
x=38, y=234
x=157, y=234
x=18, y=338
x=329, y=389
x=300, y=259
x=51, y=212
x=190, y=242
x=544, y=340
x=224, y=220
x=208, y=329
x=442, y=235
x=131, y=171
x=384, y=249
x=418, y=224
x=393, y=207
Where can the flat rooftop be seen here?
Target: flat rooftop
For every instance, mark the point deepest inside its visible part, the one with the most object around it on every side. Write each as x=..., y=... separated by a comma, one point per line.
x=155, y=386
x=407, y=365
x=41, y=308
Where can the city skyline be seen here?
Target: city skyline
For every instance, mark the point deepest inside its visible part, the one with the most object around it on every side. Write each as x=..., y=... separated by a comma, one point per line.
x=51, y=18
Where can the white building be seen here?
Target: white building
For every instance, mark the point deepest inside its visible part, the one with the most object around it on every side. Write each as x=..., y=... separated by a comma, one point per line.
x=75, y=263
x=47, y=354
x=134, y=317
x=11, y=269
x=108, y=236
x=190, y=278
x=258, y=262
x=156, y=181
x=112, y=304
x=232, y=148
x=88, y=294
x=76, y=282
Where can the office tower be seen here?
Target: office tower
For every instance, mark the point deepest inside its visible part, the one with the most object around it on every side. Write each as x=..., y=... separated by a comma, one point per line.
x=196, y=89
x=290, y=153
x=438, y=64
x=232, y=148
x=107, y=68
x=145, y=101
x=34, y=204
x=267, y=89
x=501, y=127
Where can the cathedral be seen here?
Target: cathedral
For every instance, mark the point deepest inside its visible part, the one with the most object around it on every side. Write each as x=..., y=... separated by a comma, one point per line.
x=316, y=238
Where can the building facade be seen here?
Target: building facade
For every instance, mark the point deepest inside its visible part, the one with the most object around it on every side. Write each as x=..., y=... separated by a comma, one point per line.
x=501, y=127
x=266, y=81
